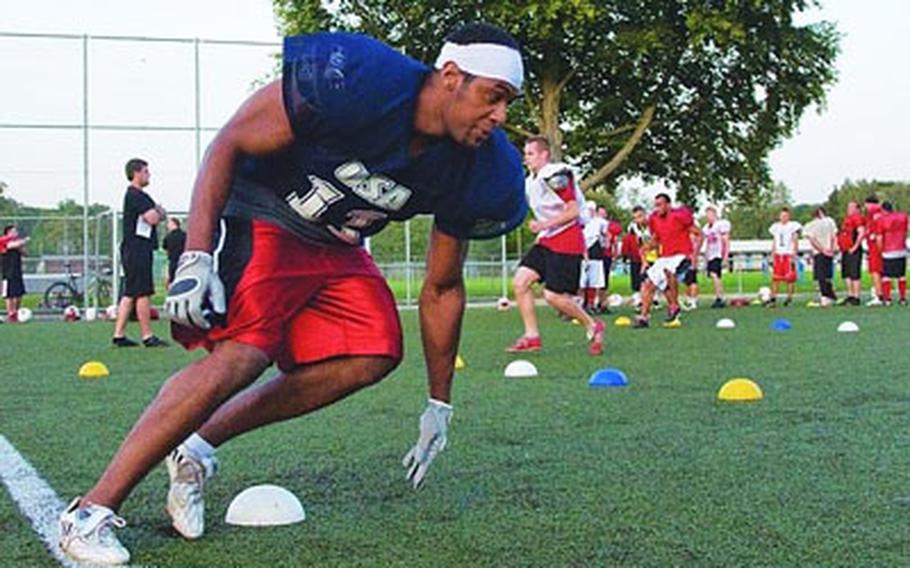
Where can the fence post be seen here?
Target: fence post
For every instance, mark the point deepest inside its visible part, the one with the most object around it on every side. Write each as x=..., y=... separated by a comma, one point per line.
x=115, y=259
x=504, y=268
x=407, y=262
x=85, y=166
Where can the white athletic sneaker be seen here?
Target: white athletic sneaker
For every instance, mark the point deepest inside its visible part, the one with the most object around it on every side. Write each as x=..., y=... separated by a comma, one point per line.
x=185, y=504
x=875, y=302
x=86, y=534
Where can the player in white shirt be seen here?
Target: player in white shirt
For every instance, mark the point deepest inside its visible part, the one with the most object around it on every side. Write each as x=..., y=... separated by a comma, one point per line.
x=785, y=243
x=593, y=282
x=716, y=233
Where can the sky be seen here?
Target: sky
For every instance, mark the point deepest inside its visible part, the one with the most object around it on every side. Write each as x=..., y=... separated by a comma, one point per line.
x=861, y=134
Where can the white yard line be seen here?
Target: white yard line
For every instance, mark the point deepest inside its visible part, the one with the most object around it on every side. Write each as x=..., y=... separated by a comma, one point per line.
x=34, y=497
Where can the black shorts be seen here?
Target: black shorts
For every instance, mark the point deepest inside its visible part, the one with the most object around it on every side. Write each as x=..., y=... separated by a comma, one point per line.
x=595, y=252
x=636, y=275
x=608, y=264
x=851, y=264
x=895, y=267
x=137, y=272
x=13, y=287
x=822, y=267
x=690, y=276
x=716, y=267
x=559, y=272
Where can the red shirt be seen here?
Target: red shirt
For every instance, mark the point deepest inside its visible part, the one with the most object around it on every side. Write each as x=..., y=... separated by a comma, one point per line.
x=849, y=231
x=894, y=231
x=570, y=240
x=672, y=231
x=873, y=227
x=4, y=240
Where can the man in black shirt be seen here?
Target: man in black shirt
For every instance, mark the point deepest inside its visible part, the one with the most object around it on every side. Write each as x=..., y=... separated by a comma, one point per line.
x=13, y=287
x=174, y=243
x=140, y=217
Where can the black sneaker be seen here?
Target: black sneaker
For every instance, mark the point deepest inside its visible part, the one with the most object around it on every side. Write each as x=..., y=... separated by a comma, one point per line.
x=123, y=342
x=154, y=341
x=673, y=314
x=772, y=303
x=854, y=301
x=640, y=323
x=787, y=301
x=719, y=303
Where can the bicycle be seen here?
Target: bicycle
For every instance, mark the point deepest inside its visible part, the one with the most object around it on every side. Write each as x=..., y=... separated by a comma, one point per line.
x=65, y=293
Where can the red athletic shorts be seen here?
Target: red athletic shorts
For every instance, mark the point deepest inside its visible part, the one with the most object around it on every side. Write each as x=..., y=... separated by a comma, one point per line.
x=297, y=301
x=784, y=268
x=876, y=262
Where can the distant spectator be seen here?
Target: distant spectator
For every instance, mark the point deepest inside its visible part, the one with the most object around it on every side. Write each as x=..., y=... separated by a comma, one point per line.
x=140, y=238
x=12, y=246
x=875, y=262
x=610, y=250
x=850, y=241
x=784, y=248
x=716, y=233
x=893, y=244
x=822, y=235
x=637, y=235
x=174, y=243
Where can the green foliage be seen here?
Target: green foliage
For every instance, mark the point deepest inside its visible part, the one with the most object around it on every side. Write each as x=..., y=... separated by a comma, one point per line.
x=728, y=80
x=49, y=234
x=896, y=192
x=751, y=216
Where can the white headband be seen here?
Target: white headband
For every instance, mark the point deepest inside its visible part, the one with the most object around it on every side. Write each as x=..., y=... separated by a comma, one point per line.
x=489, y=60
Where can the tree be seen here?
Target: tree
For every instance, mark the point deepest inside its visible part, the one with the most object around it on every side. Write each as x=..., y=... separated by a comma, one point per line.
x=691, y=92
x=897, y=193
x=751, y=216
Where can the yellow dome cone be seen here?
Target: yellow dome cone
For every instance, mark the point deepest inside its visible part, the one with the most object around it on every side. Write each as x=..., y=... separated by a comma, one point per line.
x=622, y=321
x=740, y=390
x=459, y=363
x=93, y=370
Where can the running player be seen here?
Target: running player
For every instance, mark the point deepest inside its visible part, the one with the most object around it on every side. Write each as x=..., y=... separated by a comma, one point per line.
x=716, y=233
x=850, y=240
x=784, y=249
x=893, y=244
x=672, y=230
x=353, y=135
x=555, y=259
x=876, y=262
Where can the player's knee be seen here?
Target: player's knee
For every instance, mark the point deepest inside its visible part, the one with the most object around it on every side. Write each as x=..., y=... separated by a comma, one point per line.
x=371, y=370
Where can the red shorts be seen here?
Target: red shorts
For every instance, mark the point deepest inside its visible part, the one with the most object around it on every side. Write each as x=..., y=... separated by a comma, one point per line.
x=876, y=262
x=784, y=268
x=299, y=302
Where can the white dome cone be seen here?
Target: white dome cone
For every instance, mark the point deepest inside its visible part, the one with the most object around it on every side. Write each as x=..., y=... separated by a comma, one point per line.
x=264, y=506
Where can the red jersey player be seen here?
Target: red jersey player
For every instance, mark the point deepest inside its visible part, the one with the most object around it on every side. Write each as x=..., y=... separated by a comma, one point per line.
x=893, y=244
x=876, y=263
x=672, y=231
x=849, y=240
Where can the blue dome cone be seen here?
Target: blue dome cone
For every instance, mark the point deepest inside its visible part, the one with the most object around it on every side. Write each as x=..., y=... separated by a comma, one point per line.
x=608, y=378
x=781, y=325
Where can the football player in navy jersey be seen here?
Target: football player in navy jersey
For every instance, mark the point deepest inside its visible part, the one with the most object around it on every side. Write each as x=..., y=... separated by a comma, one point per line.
x=352, y=136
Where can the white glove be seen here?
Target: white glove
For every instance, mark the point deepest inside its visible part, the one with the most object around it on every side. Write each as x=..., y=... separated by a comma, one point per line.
x=434, y=425
x=195, y=284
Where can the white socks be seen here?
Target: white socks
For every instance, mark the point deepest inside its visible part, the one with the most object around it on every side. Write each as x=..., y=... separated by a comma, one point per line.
x=199, y=448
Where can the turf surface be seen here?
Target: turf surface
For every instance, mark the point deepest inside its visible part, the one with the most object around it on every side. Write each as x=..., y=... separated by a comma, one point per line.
x=538, y=472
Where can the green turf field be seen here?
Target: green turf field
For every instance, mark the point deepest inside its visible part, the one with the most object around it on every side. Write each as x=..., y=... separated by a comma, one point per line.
x=538, y=472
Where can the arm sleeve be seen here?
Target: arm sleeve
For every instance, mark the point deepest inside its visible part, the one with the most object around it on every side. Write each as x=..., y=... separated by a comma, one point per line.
x=493, y=200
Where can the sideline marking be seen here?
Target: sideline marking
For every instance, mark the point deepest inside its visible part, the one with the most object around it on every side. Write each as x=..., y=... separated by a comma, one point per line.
x=35, y=499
